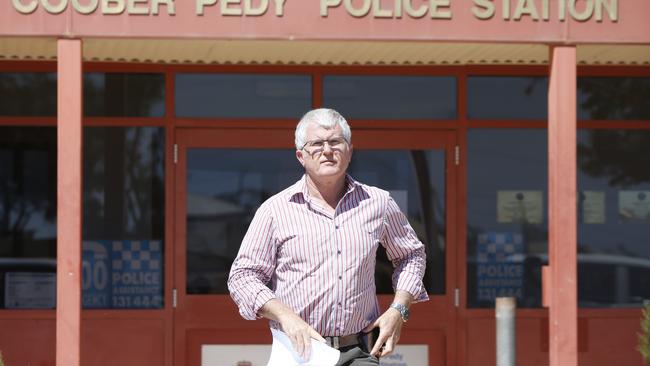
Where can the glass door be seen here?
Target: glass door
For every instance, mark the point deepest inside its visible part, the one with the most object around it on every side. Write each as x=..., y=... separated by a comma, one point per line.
x=223, y=175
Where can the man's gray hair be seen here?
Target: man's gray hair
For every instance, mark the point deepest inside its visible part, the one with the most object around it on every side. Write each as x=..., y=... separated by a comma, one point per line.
x=324, y=117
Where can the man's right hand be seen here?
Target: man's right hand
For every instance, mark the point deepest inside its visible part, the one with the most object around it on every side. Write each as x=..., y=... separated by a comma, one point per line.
x=298, y=331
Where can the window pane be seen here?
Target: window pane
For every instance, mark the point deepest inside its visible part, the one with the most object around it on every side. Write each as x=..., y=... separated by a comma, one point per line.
x=391, y=97
x=28, y=94
x=124, y=95
x=613, y=217
x=507, y=229
x=618, y=98
x=225, y=187
x=27, y=217
x=123, y=223
x=507, y=97
x=242, y=95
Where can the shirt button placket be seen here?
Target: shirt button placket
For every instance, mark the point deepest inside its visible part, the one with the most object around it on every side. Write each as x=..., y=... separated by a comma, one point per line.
x=336, y=235
x=339, y=252
x=339, y=266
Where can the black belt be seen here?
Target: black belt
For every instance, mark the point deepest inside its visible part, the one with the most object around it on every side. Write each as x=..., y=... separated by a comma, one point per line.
x=343, y=341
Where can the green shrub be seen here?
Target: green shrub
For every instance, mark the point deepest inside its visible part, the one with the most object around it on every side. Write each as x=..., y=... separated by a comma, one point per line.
x=644, y=336
x=2, y=363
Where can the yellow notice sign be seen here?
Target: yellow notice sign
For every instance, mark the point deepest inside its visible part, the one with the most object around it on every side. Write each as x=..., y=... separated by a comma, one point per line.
x=592, y=207
x=519, y=207
x=634, y=205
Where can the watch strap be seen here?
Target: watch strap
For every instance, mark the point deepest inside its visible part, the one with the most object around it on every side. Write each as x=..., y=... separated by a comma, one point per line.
x=403, y=310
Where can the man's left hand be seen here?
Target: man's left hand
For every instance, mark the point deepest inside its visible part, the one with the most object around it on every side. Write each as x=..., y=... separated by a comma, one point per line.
x=390, y=326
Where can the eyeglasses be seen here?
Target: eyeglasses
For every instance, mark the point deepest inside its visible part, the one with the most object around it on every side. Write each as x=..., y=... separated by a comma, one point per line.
x=316, y=147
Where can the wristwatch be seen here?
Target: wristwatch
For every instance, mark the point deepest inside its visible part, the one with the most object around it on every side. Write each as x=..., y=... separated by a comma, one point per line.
x=403, y=310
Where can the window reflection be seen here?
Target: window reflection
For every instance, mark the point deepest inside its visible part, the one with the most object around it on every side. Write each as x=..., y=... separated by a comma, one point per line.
x=123, y=223
x=225, y=187
x=242, y=95
x=27, y=216
x=613, y=98
x=507, y=97
x=613, y=217
x=416, y=181
x=28, y=94
x=124, y=95
x=507, y=230
x=391, y=97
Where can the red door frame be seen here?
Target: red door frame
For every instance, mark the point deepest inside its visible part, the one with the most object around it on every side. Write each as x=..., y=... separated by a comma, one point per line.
x=213, y=319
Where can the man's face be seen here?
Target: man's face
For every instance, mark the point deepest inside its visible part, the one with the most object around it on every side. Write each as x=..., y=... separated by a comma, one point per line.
x=326, y=154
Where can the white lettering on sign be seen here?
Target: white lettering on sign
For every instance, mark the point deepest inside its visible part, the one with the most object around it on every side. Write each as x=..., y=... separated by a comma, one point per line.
x=242, y=7
x=412, y=12
x=437, y=9
x=136, y=278
x=85, y=9
x=515, y=10
x=107, y=7
x=56, y=8
x=25, y=9
x=94, y=276
x=501, y=271
x=580, y=10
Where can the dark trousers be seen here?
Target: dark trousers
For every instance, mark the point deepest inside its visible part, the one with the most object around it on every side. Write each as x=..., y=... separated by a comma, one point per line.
x=357, y=356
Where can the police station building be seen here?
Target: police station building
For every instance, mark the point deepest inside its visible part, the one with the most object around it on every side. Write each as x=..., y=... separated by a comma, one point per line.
x=138, y=137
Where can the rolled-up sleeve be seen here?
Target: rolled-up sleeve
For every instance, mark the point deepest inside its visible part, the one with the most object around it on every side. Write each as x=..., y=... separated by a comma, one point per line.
x=254, y=265
x=405, y=251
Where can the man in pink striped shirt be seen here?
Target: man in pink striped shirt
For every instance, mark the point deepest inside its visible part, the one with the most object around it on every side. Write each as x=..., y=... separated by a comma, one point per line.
x=307, y=262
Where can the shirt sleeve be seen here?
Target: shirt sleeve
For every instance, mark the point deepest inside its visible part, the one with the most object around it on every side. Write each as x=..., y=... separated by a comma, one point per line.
x=254, y=265
x=405, y=251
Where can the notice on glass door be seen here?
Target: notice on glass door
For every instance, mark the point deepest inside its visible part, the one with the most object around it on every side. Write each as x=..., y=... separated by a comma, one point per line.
x=591, y=207
x=499, y=265
x=525, y=207
x=634, y=205
x=136, y=274
x=122, y=274
x=30, y=290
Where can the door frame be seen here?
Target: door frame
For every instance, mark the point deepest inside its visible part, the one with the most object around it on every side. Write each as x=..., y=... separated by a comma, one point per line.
x=214, y=319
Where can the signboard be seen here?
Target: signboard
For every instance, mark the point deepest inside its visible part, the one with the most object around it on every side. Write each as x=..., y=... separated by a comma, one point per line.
x=519, y=207
x=591, y=207
x=595, y=10
x=137, y=274
x=30, y=290
x=407, y=355
x=532, y=21
x=499, y=266
x=95, y=275
x=634, y=205
x=235, y=354
x=122, y=274
x=258, y=355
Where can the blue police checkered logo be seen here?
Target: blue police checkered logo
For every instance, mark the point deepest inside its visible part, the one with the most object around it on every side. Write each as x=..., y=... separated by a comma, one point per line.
x=498, y=247
x=142, y=255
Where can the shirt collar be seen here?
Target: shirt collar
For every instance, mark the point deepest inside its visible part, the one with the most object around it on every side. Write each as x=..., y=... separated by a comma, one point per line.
x=301, y=187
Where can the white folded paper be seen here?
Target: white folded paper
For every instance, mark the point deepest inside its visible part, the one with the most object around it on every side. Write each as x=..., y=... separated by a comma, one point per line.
x=283, y=354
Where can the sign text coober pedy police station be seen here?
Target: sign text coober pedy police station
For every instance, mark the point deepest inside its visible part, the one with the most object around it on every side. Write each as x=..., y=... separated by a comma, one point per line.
x=538, y=10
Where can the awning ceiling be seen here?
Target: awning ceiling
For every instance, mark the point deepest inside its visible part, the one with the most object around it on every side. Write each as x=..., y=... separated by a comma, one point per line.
x=284, y=52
